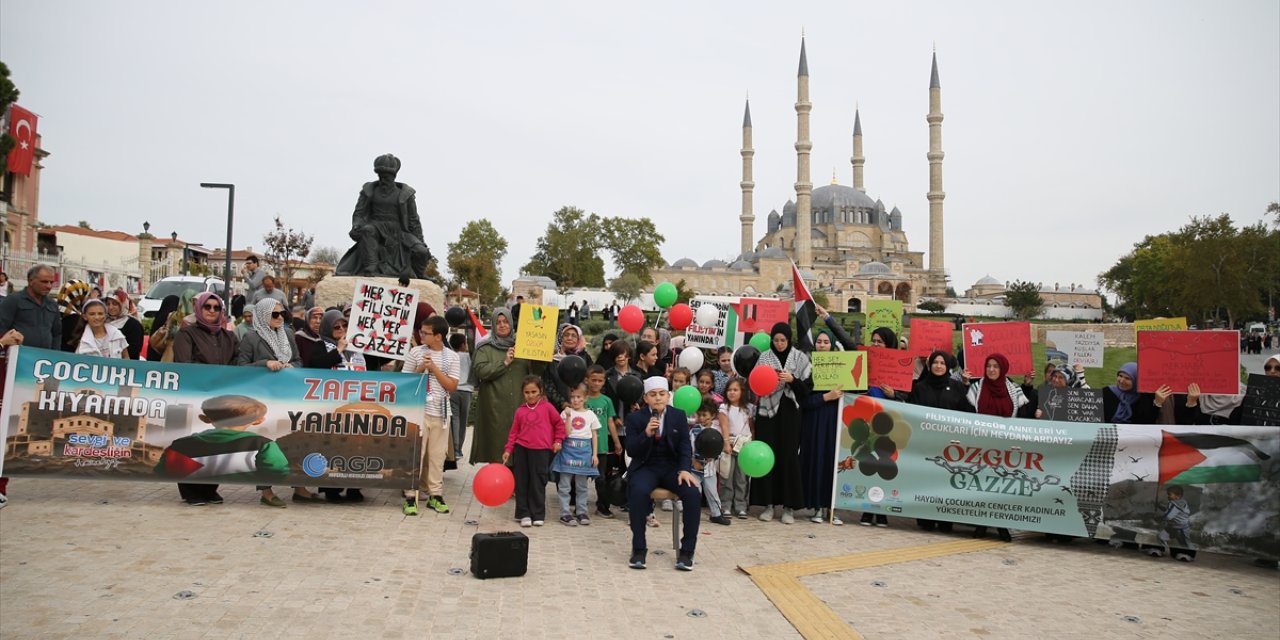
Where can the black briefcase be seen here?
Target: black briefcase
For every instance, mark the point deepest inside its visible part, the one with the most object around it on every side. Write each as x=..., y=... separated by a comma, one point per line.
x=499, y=555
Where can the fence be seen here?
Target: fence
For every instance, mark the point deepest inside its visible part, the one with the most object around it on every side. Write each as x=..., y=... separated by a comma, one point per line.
x=125, y=275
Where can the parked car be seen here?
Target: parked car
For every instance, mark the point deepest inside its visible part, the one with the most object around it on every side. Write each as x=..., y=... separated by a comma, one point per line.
x=176, y=286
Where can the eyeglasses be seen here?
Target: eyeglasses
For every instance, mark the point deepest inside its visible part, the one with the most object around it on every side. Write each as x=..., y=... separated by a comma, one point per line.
x=339, y=325
x=213, y=307
x=276, y=315
x=1271, y=368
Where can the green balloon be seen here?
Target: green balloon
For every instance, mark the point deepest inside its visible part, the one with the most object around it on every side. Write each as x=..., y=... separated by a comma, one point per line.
x=756, y=459
x=665, y=295
x=687, y=399
x=761, y=341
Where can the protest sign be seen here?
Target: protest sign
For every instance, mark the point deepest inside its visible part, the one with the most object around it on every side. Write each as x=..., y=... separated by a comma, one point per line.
x=928, y=336
x=845, y=369
x=890, y=366
x=536, y=333
x=882, y=313
x=721, y=335
x=97, y=418
x=1010, y=339
x=1070, y=404
x=381, y=321
x=758, y=315
x=1261, y=405
x=1078, y=347
x=1097, y=480
x=1159, y=324
x=1210, y=359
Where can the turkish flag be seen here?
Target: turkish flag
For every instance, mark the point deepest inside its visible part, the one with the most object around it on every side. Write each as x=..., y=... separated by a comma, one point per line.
x=22, y=126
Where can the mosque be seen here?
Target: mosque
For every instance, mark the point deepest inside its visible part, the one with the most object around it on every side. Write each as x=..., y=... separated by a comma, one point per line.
x=845, y=242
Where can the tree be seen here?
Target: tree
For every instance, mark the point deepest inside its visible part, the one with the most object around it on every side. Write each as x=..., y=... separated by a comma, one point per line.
x=84, y=224
x=633, y=244
x=285, y=248
x=820, y=298
x=683, y=292
x=325, y=255
x=932, y=306
x=568, y=251
x=475, y=259
x=1024, y=299
x=1274, y=209
x=626, y=287
x=8, y=95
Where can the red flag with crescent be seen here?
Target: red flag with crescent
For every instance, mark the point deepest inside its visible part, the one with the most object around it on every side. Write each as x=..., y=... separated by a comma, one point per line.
x=22, y=126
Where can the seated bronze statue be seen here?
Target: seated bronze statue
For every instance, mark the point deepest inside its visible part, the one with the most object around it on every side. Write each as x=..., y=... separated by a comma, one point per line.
x=386, y=228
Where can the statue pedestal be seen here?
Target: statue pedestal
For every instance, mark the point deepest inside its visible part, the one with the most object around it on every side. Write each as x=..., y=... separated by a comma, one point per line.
x=338, y=290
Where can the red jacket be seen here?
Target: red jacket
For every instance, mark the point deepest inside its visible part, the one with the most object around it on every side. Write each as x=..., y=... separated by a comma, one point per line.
x=538, y=428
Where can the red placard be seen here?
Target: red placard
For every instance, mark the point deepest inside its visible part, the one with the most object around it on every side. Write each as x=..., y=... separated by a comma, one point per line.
x=928, y=336
x=758, y=315
x=1010, y=339
x=1210, y=359
x=890, y=366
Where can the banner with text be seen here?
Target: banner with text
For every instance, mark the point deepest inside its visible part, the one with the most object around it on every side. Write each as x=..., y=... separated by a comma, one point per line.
x=1159, y=324
x=844, y=369
x=721, y=335
x=928, y=336
x=1074, y=347
x=1153, y=485
x=1210, y=359
x=96, y=418
x=382, y=319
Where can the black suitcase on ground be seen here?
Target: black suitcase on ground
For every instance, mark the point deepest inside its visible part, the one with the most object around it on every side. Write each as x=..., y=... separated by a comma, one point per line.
x=499, y=555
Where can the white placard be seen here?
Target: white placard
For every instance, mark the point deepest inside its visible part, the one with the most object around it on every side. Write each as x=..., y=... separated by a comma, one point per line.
x=381, y=321
x=1082, y=347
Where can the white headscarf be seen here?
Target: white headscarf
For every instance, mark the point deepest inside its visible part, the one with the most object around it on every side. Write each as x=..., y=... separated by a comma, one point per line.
x=277, y=339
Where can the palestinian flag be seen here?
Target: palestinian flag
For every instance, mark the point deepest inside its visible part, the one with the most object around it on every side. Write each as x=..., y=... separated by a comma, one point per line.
x=804, y=310
x=480, y=332
x=222, y=453
x=1205, y=458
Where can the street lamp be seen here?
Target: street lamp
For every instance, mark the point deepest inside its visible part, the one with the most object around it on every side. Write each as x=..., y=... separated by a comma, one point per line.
x=231, y=208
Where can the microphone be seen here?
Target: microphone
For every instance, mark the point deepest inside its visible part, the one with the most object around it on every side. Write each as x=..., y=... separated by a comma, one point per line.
x=657, y=435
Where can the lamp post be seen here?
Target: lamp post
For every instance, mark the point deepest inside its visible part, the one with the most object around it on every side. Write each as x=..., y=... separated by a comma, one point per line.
x=231, y=208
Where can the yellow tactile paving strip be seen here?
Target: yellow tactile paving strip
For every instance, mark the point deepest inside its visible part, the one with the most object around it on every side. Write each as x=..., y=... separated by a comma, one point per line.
x=811, y=616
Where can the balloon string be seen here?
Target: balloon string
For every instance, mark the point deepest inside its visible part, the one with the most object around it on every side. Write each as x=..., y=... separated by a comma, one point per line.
x=658, y=320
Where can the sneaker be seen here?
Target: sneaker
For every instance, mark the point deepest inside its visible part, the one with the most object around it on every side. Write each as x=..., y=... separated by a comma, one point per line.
x=197, y=503
x=766, y=515
x=685, y=561
x=788, y=516
x=538, y=523
x=867, y=520
x=604, y=513
x=273, y=501
x=1183, y=557
x=668, y=505
x=835, y=520
x=651, y=521
x=410, y=507
x=216, y=499
x=584, y=520
x=741, y=515
x=637, y=559
x=526, y=522
x=1155, y=552
x=882, y=521
x=436, y=503
x=568, y=521
x=817, y=517
x=722, y=519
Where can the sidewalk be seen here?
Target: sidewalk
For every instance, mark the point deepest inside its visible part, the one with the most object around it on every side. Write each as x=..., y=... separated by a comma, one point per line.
x=106, y=560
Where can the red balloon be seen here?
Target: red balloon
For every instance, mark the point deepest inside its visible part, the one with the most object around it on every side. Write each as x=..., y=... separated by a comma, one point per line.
x=680, y=316
x=493, y=484
x=631, y=319
x=763, y=380
x=864, y=407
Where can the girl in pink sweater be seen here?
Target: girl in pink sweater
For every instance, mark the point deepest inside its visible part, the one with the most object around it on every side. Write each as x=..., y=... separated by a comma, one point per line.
x=536, y=434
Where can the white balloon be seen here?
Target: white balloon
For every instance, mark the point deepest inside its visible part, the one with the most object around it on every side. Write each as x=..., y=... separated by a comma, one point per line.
x=691, y=359
x=708, y=315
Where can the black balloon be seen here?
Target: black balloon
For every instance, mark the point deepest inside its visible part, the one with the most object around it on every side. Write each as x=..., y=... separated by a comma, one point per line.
x=744, y=359
x=455, y=316
x=572, y=370
x=882, y=423
x=885, y=447
x=629, y=389
x=709, y=443
x=868, y=465
x=888, y=469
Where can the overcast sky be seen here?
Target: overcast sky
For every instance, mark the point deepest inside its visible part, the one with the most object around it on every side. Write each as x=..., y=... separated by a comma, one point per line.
x=1071, y=130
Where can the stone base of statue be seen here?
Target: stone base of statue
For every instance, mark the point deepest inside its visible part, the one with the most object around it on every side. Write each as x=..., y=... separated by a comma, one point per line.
x=339, y=290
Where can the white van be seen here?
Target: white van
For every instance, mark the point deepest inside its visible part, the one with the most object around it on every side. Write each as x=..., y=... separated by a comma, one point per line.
x=176, y=286
x=1256, y=329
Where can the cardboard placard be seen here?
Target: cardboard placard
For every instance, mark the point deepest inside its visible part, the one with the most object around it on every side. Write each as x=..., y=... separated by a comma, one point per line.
x=1010, y=339
x=890, y=366
x=1159, y=324
x=928, y=336
x=758, y=315
x=882, y=313
x=536, y=333
x=1078, y=347
x=381, y=321
x=1069, y=404
x=721, y=335
x=1261, y=405
x=846, y=369
x=1178, y=358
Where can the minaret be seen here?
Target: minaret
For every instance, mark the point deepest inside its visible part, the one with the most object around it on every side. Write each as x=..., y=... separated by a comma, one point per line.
x=748, y=217
x=857, y=160
x=804, y=187
x=937, y=267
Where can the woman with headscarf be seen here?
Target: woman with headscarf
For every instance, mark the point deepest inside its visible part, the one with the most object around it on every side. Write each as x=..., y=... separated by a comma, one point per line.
x=160, y=336
x=778, y=420
x=71, y=298
x=818, y=441
x=118, y=317
x=271, y=345
x=95, y=337
x=308, y=337
x=569, y=342
x=498, y=378
x=1123, y=404
x=994, y=394
x=937, y=389
x=333, y=352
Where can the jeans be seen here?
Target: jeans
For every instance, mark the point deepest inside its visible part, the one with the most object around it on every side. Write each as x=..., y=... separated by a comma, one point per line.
x=580, y=486
x=711, y=490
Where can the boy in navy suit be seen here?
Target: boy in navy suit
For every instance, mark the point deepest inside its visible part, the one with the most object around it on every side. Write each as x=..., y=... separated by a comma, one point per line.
x=661, y=456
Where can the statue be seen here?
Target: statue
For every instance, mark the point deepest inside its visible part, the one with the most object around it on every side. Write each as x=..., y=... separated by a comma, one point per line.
x=385, y=228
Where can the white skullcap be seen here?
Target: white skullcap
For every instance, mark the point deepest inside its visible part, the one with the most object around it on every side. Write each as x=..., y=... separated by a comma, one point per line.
x=656, y=382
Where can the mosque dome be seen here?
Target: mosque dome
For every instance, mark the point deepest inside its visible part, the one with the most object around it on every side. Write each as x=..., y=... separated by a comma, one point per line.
x=684, y=263
x=874, y=268
x=988, y=280
x=838, y=196
x=749, y=256
x=773, y=252
x=741, y=265
x=714, y=264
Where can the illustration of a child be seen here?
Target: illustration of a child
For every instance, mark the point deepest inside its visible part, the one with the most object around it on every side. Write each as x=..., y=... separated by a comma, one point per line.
x=226, y=452
x=1177, y=527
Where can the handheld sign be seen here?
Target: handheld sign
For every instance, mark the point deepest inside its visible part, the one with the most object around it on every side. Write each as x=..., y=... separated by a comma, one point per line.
x=1079, y=347
x=890, y=366
x=1159, y=324
x=928, y=336
x=883, y=313
x=1010, y=339
x=846, y=369
x=721, y=335
x=381, y=321
x=1210, y=359
x=536, y=333
x=758, y=315
x=1261, y=405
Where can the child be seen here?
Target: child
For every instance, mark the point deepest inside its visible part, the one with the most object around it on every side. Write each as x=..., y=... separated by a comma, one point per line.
x=737, y=427
x=706, y=419
x=577, y=459
x=608, y=443
x=536, y=434
x=680, y=377
x=1177, y=527
x=439, y=366
x=460, y=399
x=707, y=386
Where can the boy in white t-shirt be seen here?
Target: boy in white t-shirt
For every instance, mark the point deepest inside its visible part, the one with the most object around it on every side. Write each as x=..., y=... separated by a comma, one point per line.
x=439, y=365
x=577, y=459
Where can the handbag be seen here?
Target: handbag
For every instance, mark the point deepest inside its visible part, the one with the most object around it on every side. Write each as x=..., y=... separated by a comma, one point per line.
x=741, y=440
